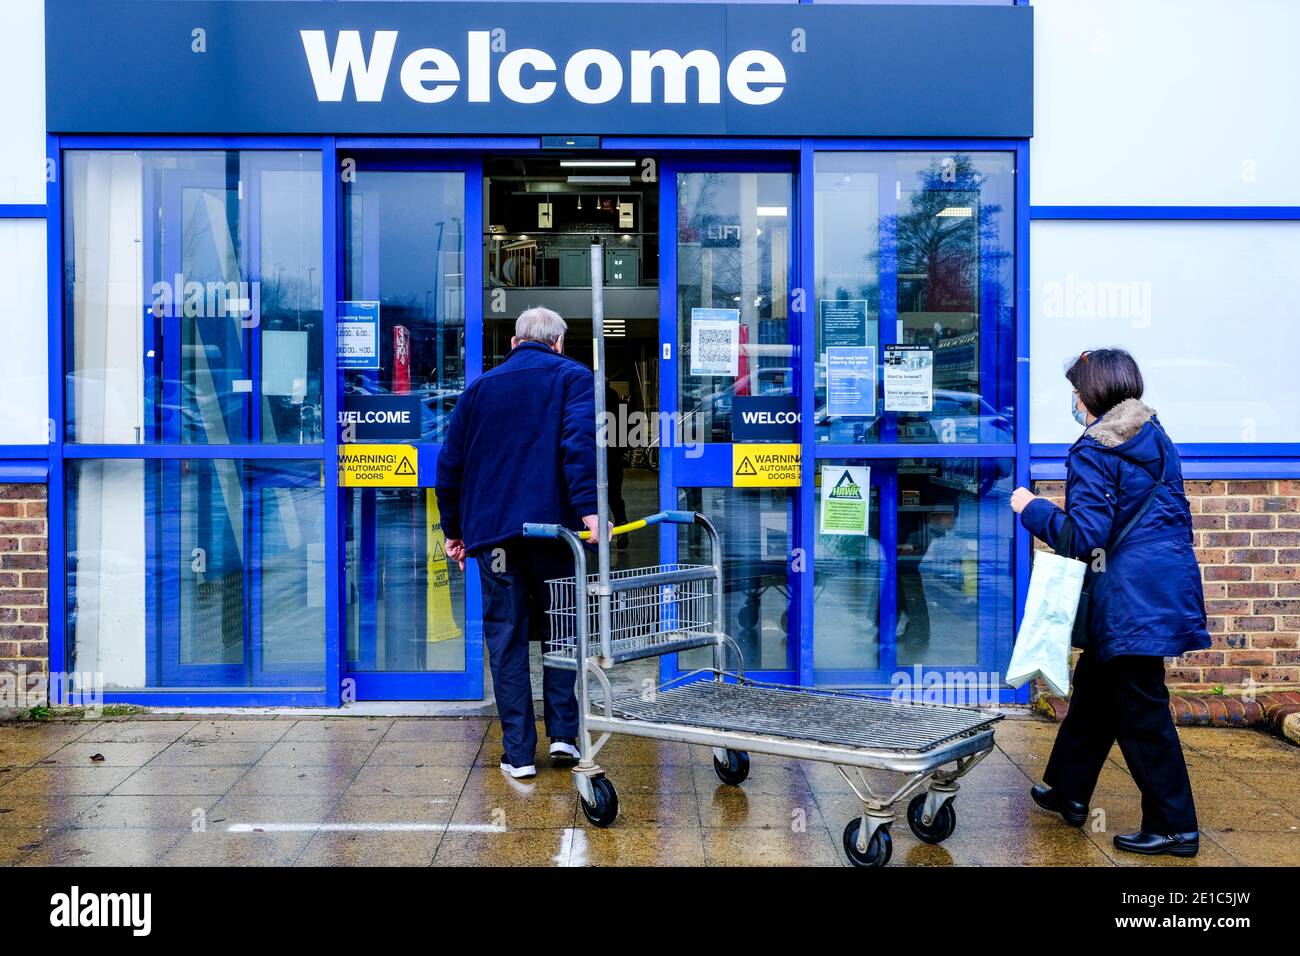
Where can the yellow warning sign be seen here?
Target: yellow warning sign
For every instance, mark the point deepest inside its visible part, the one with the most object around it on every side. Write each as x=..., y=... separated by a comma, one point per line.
x=378, y=466
x=440, y=621
x=765, y=466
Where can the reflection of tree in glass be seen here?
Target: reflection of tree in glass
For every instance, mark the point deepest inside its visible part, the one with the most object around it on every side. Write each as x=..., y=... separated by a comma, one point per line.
x=944, y=239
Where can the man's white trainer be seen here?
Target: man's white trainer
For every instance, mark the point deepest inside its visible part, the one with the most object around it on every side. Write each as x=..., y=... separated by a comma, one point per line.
x=518, y=773
x=564, y=754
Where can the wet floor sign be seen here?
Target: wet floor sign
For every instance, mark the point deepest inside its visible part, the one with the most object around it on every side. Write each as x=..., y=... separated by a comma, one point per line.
x=765, y=466
x=378, y=466
x=440, y=622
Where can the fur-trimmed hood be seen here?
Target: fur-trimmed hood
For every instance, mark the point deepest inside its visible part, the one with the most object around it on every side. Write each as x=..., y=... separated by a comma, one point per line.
x=1121, y=423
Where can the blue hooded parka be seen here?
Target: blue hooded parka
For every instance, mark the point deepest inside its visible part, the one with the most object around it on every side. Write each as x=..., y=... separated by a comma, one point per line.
x=1147, y=597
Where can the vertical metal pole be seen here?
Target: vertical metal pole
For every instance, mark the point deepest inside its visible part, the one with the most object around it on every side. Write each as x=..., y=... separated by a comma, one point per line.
x=602, y=460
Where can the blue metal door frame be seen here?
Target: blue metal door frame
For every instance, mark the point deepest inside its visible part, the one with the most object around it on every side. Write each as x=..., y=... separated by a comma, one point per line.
x=712, y=469
x=363, y=681
x=714, y=466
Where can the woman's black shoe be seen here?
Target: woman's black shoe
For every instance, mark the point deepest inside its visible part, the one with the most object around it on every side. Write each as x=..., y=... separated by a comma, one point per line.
x=1153, y=844
x=1072, y=811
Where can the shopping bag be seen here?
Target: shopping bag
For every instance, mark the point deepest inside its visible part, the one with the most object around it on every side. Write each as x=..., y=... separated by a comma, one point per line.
x=1043, y=644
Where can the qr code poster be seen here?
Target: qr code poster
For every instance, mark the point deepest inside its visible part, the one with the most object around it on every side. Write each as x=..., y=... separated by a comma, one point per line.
x=715, y=342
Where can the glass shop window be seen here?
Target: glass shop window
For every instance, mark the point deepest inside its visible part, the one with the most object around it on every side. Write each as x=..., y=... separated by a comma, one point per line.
x=914, y=297
x=196, y=573
x=924, y=576
x=404, y=253
x=733, y=284
x=193, y=297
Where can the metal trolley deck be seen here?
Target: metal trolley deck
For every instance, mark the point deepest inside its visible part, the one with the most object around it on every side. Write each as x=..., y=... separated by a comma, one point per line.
x=601, y=620
x=670, y=608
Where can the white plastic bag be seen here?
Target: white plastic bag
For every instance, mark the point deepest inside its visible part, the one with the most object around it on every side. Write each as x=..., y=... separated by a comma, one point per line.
x=1043, y=644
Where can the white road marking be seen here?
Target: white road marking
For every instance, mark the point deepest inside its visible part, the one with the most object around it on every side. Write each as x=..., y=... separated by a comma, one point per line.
x=365, y=828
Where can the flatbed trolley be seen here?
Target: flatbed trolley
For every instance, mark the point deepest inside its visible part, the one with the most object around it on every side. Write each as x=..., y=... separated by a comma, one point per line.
x=601, y=620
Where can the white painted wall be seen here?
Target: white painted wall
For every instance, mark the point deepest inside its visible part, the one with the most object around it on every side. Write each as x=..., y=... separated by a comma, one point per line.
x=1211, y=311
x=1166, y=102
x=22, y=108
x=24, y=399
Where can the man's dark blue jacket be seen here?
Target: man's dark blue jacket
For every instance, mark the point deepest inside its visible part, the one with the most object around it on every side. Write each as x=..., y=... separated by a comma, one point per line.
x=1149, y=599
x=521, y=446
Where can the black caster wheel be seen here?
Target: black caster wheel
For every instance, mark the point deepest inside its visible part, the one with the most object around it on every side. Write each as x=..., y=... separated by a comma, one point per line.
x=939, y=829
x=735, y=770
x=605, y=809
x=879, y=849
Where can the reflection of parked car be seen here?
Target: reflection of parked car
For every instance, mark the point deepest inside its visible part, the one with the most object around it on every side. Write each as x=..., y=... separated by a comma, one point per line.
x=436, y=405
x=776, y=380
x=955, y=418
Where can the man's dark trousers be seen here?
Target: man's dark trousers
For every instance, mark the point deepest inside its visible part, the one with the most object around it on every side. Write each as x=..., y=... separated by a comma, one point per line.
x=515, y=599
x=1124, y=700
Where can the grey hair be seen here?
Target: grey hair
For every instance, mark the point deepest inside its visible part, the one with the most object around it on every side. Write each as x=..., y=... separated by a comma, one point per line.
x=539, y=325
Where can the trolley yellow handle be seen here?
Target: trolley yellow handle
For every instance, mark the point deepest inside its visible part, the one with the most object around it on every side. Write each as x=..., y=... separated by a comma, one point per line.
x=671, y=517
x=636, y=525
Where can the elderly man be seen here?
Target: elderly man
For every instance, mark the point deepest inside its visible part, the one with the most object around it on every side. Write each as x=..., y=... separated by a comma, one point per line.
x=521, y=446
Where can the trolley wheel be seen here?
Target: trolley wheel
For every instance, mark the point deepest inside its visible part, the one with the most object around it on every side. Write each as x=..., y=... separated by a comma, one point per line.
x=605, y=809
x=735, y=770
x=879, y=849
x=939, y=829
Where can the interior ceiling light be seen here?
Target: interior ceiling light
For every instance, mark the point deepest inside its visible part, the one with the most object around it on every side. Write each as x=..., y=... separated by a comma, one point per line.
x=954, y=212
x=601, y=180
x=622, y=163
x=771, y=211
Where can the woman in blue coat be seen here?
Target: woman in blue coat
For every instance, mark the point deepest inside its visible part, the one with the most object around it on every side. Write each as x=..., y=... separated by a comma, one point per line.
x=1127, y=517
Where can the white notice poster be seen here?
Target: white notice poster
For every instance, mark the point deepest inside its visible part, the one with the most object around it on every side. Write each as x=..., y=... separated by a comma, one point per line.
x=909, y=378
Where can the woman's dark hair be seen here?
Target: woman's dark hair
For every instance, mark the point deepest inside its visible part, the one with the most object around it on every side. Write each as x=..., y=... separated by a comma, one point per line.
x=1104, y=378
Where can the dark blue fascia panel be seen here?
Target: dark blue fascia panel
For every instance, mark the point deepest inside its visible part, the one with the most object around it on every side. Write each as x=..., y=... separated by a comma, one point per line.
x=879, y=61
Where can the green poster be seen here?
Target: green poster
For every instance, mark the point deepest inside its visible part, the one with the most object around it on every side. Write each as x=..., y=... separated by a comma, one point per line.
x=845, y=491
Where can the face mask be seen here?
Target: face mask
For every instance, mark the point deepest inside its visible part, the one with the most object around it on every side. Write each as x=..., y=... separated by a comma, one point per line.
x=1080, y=417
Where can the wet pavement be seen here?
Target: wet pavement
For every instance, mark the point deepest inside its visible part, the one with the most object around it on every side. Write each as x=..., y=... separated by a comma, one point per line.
x=365, y=791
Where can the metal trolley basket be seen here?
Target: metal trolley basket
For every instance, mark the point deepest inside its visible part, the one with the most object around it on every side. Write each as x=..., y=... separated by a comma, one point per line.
x=601, y=620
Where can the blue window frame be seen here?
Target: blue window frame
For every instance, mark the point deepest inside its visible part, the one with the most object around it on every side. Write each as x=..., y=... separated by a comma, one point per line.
x=710, y=470
x=231, y=519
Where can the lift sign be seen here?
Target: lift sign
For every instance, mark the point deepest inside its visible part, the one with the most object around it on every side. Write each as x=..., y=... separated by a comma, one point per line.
x=378, y=466
x=765, y=466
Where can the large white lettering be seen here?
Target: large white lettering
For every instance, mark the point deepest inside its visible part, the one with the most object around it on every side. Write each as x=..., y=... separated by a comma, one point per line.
x=510, y=73
x=330, y=74
x=674, y=67
x=525, y=75
x=755, y=68
x=430, y=66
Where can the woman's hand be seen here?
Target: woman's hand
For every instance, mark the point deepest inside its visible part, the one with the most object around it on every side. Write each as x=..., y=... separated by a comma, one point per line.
x=1020, y=498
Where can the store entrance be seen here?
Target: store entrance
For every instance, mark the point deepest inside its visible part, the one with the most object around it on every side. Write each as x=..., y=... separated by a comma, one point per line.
x=542, y=215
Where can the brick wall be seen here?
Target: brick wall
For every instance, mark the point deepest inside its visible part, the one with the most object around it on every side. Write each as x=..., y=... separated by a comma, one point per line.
x=1247, y=537
x=24, y=585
